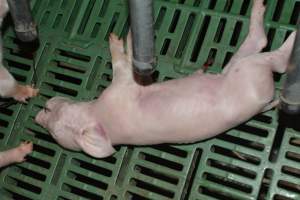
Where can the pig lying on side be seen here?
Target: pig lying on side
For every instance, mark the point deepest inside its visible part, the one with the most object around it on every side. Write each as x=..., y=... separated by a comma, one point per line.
x=177, y=111
x=8, y=85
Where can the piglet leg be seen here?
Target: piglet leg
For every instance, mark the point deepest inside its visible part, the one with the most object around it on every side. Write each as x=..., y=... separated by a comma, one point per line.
x=256, y=39
x=15, y=155
x=129, y=47
x=121, y=60
x=279, y=58
x=8, y=85
x=270, y=105
x=7, y=82
x=10, y=88
x=278, y=61
x=23, y=92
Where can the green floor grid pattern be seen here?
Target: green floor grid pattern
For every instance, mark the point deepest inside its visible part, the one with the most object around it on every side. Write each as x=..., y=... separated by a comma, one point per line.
x=256, y=160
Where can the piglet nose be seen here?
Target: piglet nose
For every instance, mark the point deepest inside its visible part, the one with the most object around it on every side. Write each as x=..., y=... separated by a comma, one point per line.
x=40, y=118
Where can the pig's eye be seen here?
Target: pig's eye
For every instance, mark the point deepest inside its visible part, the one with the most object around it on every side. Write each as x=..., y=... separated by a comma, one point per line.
x=47, y=110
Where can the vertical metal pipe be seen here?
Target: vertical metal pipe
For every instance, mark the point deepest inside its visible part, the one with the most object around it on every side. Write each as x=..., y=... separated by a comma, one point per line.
x=141, y=21
x=290, y=95
x=24, y=25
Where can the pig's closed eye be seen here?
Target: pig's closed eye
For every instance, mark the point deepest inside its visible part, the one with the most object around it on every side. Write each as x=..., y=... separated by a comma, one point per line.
x=47, y=110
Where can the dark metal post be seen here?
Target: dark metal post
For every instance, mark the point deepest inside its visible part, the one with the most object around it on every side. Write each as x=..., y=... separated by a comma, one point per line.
x=141, y=21
x=24, y=26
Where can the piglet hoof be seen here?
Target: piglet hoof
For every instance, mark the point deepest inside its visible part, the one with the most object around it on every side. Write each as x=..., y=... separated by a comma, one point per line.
x=24, y=92
x=114, y=40
x=22, y=150
x=113, y=37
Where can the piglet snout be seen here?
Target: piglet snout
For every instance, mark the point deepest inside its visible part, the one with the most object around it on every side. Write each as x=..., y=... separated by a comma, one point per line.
x=51, y=106
x=41, y=118
x=38, y=118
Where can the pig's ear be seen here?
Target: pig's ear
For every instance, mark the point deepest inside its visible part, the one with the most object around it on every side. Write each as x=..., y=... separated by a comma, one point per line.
x=94, y=142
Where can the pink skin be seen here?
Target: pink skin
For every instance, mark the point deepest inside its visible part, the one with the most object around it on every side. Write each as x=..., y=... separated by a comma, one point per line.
x=8, y=85
x=15, y=155
x=185, y=110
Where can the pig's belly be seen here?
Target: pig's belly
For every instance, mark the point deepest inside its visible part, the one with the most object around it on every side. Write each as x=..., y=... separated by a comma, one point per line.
x=183, y=112
x=182, y=126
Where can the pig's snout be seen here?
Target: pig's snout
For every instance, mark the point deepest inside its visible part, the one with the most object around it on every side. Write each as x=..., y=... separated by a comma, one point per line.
x=41, y=118
x=52, y=106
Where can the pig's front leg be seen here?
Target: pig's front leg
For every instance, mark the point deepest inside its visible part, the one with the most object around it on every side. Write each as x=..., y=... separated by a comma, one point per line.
x=7, y=82
x=121, y=60
x=10, y=88
x=23, y=92
x=256, y=39
x=8, y=85
x=15, y=155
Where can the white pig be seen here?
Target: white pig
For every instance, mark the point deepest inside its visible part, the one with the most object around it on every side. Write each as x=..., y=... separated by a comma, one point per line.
x=8, y=85
x=185, y=110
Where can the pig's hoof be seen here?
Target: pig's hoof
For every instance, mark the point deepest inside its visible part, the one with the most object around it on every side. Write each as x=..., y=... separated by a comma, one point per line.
x=113, y=37
x=23, y=149
x=24, y=92
x=114, y=40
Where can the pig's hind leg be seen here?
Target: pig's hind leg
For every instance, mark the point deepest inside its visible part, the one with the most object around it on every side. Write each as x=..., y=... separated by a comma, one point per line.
x=279, y=58
x=278, y=61
x=270, y=105
x=256, y=39
x=121, y=60
x=129, y=47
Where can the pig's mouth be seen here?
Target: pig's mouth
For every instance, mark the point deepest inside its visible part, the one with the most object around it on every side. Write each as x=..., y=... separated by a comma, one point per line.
x=40, y=118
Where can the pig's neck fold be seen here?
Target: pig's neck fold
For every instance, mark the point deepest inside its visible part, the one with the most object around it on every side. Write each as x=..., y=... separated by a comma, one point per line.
x=96, y=112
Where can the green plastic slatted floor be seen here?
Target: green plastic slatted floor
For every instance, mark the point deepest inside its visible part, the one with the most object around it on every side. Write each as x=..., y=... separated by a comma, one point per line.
x=257, y=160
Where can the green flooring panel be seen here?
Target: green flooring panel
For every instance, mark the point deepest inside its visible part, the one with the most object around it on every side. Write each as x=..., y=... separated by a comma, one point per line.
x=256, y=160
